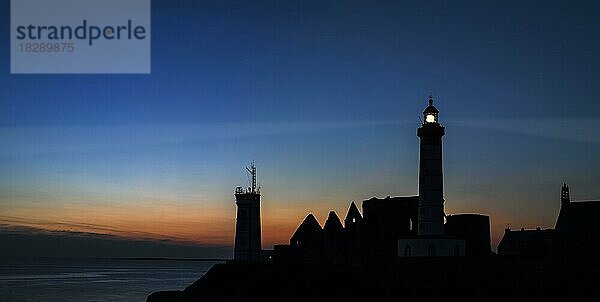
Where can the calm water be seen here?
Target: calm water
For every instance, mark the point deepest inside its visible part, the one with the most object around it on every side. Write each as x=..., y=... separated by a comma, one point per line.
x=95, y=280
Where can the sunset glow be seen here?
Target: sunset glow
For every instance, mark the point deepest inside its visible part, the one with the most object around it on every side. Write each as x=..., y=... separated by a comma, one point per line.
x=326, y=99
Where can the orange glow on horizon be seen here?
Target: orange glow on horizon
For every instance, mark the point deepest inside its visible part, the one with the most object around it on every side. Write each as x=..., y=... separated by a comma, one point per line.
x=205, y=224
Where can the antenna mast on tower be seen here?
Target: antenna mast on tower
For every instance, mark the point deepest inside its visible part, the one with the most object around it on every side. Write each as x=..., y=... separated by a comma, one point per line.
x=252, y=171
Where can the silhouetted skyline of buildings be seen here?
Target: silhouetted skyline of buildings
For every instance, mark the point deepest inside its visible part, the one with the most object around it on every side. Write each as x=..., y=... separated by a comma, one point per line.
x=575, y=237
x=416, y=226
x=389, y=228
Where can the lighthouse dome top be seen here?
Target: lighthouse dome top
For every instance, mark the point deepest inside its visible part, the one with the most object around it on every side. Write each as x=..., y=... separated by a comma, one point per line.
x=431, y=113
x=431, y=108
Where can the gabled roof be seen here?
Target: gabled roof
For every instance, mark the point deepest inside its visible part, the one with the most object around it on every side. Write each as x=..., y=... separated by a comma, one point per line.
x=353, y=213
x=333, y=223
x=579, y=217
x=308, y=227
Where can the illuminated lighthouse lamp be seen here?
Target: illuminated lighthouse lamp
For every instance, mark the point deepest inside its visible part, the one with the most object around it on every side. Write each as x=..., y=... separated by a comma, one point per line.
x=431, y=113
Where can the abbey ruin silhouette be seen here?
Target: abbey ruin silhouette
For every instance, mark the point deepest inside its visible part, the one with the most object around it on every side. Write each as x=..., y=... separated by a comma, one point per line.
x=392, y=228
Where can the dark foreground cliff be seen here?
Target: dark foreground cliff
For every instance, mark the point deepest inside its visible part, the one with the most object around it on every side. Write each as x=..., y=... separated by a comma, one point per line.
x=466, y=280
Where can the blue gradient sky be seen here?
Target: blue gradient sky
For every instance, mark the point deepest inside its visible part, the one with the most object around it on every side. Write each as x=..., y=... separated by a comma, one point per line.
x=325, y=96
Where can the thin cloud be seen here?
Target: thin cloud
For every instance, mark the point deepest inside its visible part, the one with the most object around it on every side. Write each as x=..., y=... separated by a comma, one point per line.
x=64, y=226
x=583, y=130
x=24, y=141
x=27, y=241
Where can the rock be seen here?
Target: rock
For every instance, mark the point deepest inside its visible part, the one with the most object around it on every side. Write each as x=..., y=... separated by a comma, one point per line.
x=164, y=296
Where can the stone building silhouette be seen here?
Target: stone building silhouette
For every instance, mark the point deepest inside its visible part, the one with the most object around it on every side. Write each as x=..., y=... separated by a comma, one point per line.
x=575, y=237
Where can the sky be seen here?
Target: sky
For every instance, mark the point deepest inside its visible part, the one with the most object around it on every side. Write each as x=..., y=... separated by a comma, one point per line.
x=325, y=97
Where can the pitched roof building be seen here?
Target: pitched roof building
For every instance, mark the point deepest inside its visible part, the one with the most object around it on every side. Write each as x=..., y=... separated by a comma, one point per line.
x=575, y=238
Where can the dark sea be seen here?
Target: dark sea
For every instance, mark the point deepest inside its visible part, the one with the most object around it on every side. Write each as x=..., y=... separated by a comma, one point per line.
x=95, y=280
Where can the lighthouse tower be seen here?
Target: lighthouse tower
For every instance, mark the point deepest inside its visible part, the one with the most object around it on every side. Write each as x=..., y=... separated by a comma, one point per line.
x=248, y=243
x=431, y=182
x=431, y=240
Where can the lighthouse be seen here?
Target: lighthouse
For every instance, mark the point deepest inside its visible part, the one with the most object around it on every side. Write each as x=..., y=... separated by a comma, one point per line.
x=431, y=240
x=248, y=242
x=431, y=178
